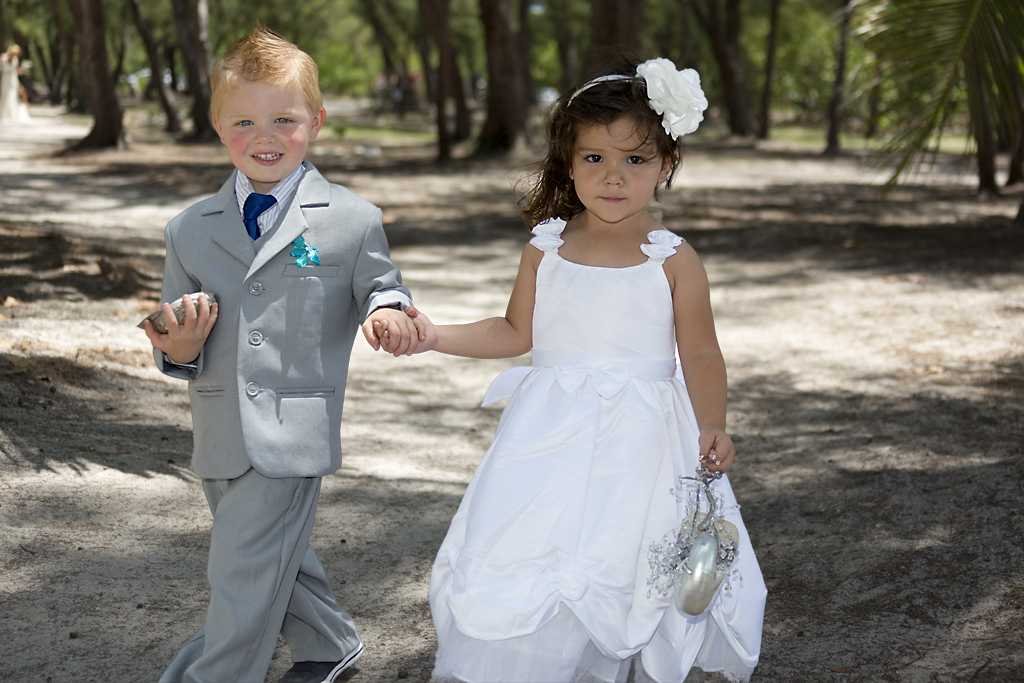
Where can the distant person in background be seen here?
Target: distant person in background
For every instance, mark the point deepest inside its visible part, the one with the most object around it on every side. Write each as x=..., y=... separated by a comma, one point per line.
x=13, y=106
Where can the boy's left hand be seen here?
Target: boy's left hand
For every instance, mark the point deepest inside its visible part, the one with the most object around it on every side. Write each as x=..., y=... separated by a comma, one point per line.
x=391, y=330
x=182, y=343
x=716, y=449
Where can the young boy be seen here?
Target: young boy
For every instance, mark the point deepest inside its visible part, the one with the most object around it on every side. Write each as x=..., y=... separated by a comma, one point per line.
x=266, y=381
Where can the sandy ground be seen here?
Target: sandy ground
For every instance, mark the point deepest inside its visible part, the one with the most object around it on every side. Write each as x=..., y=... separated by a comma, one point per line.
x=876, y=386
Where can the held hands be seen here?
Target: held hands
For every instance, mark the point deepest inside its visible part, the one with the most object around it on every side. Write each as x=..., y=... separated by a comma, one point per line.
x=399, y=333
x=716, y=449
x=426, y=330
x=182, y=343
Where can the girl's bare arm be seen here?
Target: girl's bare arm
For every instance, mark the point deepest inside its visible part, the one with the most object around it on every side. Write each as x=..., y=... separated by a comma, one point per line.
x=503, y=337
x=699, y=354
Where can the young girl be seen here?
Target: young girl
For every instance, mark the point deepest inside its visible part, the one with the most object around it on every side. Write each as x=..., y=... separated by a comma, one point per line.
x=543, y=575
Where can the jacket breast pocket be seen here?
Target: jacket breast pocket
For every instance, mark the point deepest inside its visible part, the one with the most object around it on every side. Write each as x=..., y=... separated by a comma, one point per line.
x=292, y=270
x=210, y=390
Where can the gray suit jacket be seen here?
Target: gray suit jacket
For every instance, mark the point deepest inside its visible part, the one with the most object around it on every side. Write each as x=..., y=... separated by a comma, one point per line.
x=268, y=389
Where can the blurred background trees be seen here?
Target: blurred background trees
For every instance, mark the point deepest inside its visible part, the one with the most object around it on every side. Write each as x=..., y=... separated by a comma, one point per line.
x=899, y=73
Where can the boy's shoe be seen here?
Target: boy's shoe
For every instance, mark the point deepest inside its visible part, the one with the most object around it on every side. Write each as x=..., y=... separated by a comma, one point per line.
x=320, y=672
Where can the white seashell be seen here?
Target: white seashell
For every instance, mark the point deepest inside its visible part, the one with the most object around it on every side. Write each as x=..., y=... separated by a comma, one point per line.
x=697, y=583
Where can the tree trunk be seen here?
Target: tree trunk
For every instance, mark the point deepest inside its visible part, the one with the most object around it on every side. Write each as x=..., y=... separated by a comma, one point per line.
x=394, y=61
x=172, y=64
x=764, y=117
x=725, y=45
x=1017, y=161
x=463, y=116
x=874, y=103
x=835, y=105
x=42, y=64
x=48, y=59
x=1014, y=125
x=565, y=36
x=61, y=55
x=429, y=72
x=156, y=65
x=689, y=53
x=90, y=30
x=614, y=29
x=75, y=96
x=436, y=15
x=119, y=55
x=525, y=40
x=981, y=123
x=190, y=20
x=506, y=112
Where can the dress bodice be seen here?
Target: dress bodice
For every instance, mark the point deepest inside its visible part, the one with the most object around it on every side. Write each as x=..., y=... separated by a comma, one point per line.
x=613, y=312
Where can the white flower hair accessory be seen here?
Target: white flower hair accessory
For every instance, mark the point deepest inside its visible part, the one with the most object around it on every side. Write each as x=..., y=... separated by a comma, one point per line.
x=676, y=95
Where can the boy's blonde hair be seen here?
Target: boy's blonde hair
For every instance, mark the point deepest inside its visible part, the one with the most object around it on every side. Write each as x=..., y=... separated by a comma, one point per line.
x=263, y=55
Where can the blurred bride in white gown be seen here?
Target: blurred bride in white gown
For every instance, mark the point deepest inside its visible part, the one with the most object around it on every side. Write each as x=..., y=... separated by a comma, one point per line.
x=12, y=107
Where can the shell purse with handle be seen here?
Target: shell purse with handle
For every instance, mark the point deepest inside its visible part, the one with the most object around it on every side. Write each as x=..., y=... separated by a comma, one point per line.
x=692, y=562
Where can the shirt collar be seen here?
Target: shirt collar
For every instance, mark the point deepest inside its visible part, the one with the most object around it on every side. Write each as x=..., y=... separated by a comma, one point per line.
x=282, y=191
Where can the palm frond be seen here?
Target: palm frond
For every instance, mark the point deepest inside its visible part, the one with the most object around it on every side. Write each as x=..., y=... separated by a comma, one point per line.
x=933, y=49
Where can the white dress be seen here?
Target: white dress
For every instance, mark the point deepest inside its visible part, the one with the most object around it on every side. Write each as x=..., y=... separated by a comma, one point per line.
x=543, y=575
x=11, y=106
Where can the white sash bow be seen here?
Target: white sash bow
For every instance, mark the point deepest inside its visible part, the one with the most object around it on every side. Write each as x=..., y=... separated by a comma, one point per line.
x=608, y=375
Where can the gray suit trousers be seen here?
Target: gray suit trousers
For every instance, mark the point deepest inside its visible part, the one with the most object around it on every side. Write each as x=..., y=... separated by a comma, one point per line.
x=265, y=579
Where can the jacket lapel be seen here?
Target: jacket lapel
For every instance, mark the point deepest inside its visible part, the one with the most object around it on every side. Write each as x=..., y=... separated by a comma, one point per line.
x=228, y=231
x=313, y=190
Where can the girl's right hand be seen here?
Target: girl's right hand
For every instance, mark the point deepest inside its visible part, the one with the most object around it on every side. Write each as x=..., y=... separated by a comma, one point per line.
x=378, y=333
x=716, y=449
x=424, y=328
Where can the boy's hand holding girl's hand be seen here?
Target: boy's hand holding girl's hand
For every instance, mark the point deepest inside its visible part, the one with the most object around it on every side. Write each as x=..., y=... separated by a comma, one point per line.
x=399, y=333
x=182, y=343
x=716, y=449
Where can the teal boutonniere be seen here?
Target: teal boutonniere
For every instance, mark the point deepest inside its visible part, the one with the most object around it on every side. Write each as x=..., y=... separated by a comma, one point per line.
x=304, y=253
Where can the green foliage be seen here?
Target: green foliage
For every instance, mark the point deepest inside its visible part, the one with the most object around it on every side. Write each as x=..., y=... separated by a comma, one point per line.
x=804, y=68
x=547, y=65
x=31, y=24
x=805, y=60
x=331, y=31
x=939, y=54
x=906, y=75
x=468, y=36
x=549, y=19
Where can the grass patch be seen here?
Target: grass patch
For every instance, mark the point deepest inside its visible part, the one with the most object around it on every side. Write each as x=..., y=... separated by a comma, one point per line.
x=817, y=138
x=809, y=137
x=380, y=134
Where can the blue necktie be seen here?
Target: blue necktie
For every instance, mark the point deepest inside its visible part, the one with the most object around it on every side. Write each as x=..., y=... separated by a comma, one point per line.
x=255, y=204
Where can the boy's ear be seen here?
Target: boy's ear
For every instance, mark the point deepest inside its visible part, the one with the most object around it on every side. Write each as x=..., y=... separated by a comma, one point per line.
x=318, y=123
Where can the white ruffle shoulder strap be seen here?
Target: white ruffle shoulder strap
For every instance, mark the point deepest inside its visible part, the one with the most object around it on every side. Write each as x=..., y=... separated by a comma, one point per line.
x=663, y=244
x=547, y=234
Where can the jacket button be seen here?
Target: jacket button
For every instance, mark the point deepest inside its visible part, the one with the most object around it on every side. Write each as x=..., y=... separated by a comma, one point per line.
x=256, y=338
x=256, y=288
x=252, y=388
